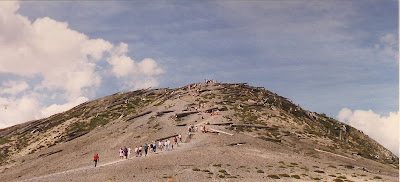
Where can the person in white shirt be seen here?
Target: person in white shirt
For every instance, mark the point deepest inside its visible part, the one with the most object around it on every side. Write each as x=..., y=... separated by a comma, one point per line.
x=121, y=153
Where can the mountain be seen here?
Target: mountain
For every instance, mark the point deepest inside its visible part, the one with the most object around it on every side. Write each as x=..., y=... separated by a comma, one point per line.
x=253, y=135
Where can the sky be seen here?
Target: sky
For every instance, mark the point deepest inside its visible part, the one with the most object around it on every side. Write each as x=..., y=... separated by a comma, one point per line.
x=335, y=57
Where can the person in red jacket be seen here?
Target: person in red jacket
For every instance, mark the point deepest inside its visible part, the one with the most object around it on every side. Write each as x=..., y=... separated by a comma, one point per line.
x=176, y=141
x=96, y=159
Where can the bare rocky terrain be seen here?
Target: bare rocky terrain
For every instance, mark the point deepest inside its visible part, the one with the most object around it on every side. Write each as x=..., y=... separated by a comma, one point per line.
x=253, y=135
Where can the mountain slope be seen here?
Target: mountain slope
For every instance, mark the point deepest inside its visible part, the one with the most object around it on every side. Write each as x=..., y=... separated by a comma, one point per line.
x=271, y=129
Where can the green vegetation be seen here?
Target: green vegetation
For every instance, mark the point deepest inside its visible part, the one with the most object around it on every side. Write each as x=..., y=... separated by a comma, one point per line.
x=332, y=166
x=377, y=177
x=4, y=153
x=318, y=171
x=284, y=175
x=156, y=126
x=295, y=176
x=80, y=128
x=4, y=141
x=217, y=165
x=196, y=169
x=221, y=176
x=338, y=180
x=260, y=171
x=273, y=176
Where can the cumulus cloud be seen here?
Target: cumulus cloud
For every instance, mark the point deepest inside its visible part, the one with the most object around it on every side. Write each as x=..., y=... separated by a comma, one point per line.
x=62, y=61
x=13, y=87
x=136, y=75
x=389, y=45
x=15, y=110
x=383, y=129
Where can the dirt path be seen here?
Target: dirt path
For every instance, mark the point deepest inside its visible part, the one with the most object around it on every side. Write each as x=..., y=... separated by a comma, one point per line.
x=117, y=162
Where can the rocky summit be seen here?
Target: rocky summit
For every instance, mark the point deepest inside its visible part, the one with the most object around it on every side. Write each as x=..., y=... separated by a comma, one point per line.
x=237, y=133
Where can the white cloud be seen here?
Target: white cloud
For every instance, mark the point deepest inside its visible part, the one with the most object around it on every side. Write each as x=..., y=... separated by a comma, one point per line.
x=383, y=129
x=63, y=62
x=149, y=67
x=136, y=75
x=13, y=87
x=13, y=110
x=389, y=45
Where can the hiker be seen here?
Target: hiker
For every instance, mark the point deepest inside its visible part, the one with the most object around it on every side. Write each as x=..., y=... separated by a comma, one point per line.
x=169, y=144
x=161, y=145
x=151, y=148
x=196, y=129
x=154, y=147
x=125, y=152
x=136, y=151
x=146, y=147
x=176, y=141
x=129, y=152
x=140, y=151
x=96, y=159
x=180, y=137
x=121, y=153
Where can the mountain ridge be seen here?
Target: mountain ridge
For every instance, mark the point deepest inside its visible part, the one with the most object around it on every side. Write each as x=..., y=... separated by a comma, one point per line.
x=250, y=110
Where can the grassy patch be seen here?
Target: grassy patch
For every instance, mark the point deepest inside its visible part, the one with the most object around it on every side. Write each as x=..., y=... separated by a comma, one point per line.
x=331, y=175
x=221, y=176
x=330, y=166
x=377, y=177
x=217, y=165
x=273, y=176
x=260, y=171
x=295, y=176
x=206, y=170
x=284, y=175
x=196, y=169
x=342, y=177
x=338, y=180
x=304, y=168
x=156, y=126
x=318, y=171
x=4, y=141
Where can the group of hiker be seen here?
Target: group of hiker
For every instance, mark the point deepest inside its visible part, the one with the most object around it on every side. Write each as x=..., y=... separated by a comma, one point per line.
x=145, y=149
